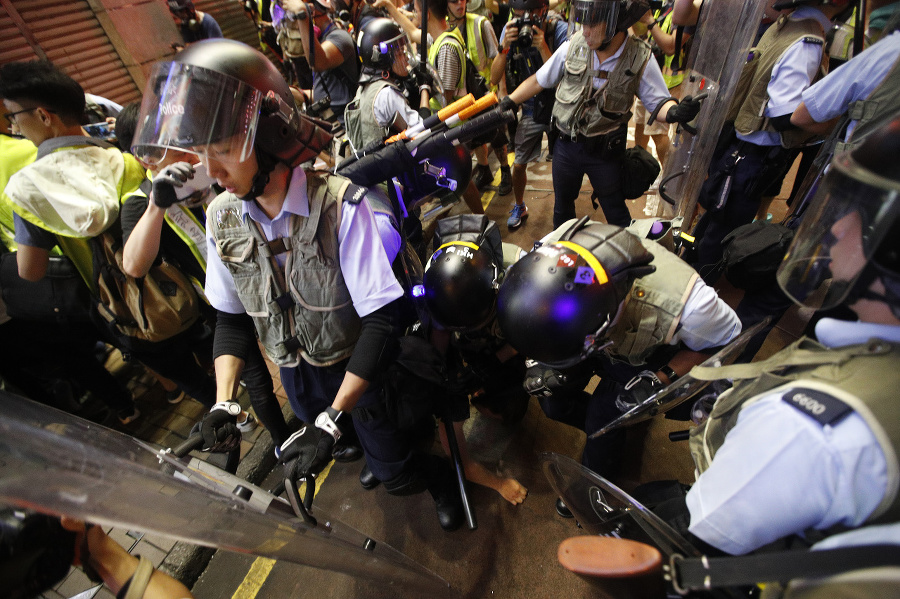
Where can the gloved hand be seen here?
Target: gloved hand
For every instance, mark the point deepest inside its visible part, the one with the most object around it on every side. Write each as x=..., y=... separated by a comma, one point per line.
x=308, y=451
x=219, y=427
x=638, y=389
x=684, y=111
x=542, y=380
x=508, y=103
x=165, y=182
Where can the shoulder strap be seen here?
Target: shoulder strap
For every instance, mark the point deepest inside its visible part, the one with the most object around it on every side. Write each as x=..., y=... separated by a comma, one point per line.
x=67, y=141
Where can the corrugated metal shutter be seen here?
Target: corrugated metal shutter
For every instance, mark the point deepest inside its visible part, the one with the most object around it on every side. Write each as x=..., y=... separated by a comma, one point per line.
x=231, y=18
x=68, y=33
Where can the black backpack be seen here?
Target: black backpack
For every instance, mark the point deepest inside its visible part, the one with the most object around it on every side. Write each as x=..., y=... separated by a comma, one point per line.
x=752, y=253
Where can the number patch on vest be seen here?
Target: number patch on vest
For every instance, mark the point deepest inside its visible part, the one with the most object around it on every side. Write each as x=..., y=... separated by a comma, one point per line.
x=821, y=407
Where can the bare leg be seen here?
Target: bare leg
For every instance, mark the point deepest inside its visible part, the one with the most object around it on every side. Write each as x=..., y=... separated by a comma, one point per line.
x=663, y=145
x=509, y=488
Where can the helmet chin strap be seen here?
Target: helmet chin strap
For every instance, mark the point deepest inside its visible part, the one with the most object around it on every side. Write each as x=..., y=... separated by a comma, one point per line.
x=862, y=289
x=267, y=164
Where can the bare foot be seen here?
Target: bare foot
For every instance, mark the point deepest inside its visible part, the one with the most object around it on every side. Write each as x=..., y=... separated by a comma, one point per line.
x=512, y=490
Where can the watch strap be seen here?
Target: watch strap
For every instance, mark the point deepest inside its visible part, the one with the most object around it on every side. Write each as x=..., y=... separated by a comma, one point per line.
x=669, y=372
x=328, y=422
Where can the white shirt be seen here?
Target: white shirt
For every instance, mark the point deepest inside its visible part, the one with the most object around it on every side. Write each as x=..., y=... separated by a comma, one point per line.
x=364, y=262
x=389, y=102
x=780, y=472
x=652, y=90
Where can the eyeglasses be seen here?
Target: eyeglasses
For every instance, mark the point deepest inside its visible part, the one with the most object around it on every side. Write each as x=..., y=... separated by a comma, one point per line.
x=455, y=1
x=11, y=116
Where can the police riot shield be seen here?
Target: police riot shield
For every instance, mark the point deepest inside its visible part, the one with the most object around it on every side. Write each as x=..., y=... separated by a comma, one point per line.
x=685, y=387
x=602, y=508
x=59, y=464
x=719, y=49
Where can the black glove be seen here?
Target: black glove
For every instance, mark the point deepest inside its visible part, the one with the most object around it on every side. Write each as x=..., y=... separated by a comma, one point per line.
x=684, y=111
x=508, y=103
x=638, y=389
x=308, y=451
x=219, y=427
x=542, y=380
x=166, y=180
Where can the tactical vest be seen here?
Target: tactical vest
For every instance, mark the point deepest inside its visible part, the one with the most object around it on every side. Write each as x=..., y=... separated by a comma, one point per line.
x=303, y=309
x=864, y=376
x=359, y=116
x=582, y=110
x=876, y=110
x=747, y=108
x=653, y=307
x=454, y=38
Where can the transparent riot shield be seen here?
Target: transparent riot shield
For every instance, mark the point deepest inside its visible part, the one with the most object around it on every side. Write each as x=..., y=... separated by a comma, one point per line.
x=602, y=508
x=723, y=37
x=59, y=464
x=685, y=387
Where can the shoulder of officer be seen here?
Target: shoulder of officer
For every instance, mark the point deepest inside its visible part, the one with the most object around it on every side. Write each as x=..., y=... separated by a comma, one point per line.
x=819, y=405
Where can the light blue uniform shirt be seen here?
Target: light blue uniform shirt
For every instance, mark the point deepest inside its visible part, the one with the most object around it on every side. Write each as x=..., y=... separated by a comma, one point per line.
x=852, y=81
x=793, y=73
x=364, y=259
x=780, y=472
x=652, y=90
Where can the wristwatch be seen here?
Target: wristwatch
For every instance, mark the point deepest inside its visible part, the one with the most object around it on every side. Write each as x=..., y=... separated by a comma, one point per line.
x=232, y=407
x=670, y=374
x=327, y=421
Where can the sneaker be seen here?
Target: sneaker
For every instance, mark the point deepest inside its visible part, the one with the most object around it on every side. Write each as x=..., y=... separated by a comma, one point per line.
x=518, y=213
x=277, y=453
x=128, y=415
x=481, y=176
x=248, y=424
x=505, y=182
x=174, y=396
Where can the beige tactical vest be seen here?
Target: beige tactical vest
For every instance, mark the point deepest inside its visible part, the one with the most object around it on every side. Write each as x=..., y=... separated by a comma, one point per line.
x=359, y=116
x=752, y=97
x=653, y=307
x=315, y=320
x=582, y=110
x=864, y=376
x=876, y=110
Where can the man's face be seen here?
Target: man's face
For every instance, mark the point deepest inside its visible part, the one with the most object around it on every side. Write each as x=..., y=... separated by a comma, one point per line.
x=235, y=177
x=595, y=35
x=400, y=67
x=457, y=9
x=29, y=121
x=847, y=255
x=183, y=15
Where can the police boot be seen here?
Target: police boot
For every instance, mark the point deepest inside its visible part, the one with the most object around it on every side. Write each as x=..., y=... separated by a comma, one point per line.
x=347, y=449
x=445, y=491
x=367, y=479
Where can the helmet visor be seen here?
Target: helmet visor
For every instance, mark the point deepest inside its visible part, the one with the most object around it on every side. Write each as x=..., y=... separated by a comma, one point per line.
x=196, y=110
x=596, y=15
x=844, y=227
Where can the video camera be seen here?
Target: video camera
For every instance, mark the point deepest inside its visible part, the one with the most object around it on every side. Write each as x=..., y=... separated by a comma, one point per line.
x=526, y=24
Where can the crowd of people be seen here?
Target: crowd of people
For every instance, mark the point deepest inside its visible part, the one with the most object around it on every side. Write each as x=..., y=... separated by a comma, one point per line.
x=239, y=207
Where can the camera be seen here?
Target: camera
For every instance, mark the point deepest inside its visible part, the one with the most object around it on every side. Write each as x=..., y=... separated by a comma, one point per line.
x=101, y=131
x=526, y=24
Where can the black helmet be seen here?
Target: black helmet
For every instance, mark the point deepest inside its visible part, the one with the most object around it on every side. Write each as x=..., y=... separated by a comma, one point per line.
x=221, y=89
x=850, y=235
x=380, y=42
x=618, y=15
x=556, y=303
x=447, y=168
x=462, y=276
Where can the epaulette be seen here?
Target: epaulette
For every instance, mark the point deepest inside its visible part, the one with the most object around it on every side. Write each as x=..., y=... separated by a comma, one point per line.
x=354, y=193
x=818, y=405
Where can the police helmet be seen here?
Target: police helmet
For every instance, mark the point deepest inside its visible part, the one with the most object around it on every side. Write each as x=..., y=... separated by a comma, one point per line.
x=380, y=43
x=556, y=304
x=462, y=276
x=616, y=15
x=224, y=92
x=850, y=235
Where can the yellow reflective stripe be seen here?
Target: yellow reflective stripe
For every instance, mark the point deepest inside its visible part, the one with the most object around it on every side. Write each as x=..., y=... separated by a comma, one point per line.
x=465, y=243
x=588, y=257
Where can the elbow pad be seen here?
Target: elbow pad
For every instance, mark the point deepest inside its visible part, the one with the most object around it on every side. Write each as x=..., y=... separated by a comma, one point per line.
x=377, y=345
x=233, y=336
x=782, y=123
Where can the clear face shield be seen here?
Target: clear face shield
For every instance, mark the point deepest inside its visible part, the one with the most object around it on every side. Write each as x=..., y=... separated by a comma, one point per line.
x=596, y=18
x=399, y=51
x=196, y=110
x=846, y=224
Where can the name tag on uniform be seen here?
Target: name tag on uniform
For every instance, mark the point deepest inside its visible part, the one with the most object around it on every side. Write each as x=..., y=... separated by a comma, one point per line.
x=820, y=406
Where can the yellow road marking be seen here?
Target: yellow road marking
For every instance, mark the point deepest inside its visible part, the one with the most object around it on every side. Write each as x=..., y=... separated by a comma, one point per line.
x=262, y=566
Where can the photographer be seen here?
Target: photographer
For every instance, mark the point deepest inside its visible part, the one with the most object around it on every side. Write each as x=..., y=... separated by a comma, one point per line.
x=526, y=43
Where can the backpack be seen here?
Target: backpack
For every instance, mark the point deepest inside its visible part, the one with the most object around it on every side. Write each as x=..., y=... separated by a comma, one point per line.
x=753, y=252
x=139, y=312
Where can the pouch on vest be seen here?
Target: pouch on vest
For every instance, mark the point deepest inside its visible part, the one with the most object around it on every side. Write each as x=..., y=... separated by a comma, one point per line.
x=753, y=252
x=145, y=310
x=639, y=171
